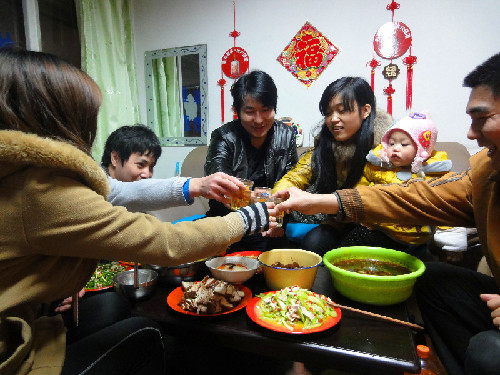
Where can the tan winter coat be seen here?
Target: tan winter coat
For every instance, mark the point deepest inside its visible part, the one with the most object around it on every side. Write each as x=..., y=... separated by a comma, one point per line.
x=55, y=224
x=468, y=199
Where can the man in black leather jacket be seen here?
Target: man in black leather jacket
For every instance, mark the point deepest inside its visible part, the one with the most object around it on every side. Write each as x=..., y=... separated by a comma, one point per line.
x=255, y=146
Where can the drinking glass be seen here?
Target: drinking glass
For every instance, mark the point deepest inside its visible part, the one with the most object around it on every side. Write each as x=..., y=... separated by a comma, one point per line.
x=261, y=194
x=244, y=198
x=279, y=217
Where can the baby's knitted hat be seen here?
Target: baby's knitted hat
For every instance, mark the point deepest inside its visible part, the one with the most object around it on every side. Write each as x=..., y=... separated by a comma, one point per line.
x=420, y=127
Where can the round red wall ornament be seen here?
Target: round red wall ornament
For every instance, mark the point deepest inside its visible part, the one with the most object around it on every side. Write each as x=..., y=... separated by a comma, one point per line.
x=235, y=62
x=392, y=40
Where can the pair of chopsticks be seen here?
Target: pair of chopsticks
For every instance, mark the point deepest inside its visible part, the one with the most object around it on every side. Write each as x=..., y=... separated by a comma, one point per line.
x=378, y=316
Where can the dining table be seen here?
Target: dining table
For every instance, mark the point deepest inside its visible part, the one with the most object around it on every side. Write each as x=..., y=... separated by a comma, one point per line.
x=357, y=343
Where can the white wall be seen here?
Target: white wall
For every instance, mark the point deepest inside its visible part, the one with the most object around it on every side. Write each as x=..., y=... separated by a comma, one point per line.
x=450, y=37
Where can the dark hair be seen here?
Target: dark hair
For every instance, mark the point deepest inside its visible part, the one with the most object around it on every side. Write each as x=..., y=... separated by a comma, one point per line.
x=44, y=95
x=324, y=165
x=129, y=139
x=258, y=85
x=487, y=74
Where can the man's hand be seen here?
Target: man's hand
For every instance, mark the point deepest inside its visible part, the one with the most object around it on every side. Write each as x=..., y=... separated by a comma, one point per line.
x=493, y=302
x=218, y=186
x=307, y=203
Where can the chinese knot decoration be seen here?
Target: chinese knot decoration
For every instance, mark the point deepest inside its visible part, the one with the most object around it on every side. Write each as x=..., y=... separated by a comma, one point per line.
x=308, y=54
x=391, y=41
x=235, y=63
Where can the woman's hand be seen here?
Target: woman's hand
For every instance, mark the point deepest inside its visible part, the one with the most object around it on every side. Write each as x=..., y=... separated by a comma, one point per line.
x=66, y=303
x=307, y=203
x=493, y=302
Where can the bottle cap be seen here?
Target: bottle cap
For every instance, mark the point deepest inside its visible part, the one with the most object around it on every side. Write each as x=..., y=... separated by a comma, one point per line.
x=423, y=351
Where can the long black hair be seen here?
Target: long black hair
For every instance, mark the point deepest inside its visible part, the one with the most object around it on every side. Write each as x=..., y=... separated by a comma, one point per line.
x=324, y=164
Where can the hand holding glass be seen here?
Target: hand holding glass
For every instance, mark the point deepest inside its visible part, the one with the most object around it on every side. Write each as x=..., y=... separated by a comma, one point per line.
x=243, y=199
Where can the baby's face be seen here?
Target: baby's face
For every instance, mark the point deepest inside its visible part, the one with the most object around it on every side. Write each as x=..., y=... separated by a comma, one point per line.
x=400, y=149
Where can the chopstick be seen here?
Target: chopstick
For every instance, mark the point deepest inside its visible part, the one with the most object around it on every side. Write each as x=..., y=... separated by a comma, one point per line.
x=136, y=275
x=383, y=317
x=74, y=305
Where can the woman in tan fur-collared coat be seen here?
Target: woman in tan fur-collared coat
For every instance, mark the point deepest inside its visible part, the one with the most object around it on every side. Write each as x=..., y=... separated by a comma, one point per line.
x=56, y=223
x=352, y=126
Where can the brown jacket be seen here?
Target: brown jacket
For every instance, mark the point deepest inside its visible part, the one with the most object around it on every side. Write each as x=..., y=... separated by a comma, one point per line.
x=467, y=199
x=55, y=223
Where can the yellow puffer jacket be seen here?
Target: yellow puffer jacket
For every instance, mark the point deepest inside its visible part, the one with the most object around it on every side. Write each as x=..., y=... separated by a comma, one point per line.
x=378, y=172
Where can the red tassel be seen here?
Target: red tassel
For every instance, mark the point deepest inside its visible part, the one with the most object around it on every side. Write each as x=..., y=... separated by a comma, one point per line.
x=409, y=61
x=389, y=91
x=373, y=64
x=221, y=83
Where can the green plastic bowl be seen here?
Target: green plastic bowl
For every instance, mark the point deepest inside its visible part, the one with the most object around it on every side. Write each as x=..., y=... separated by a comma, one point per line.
x=372, y=289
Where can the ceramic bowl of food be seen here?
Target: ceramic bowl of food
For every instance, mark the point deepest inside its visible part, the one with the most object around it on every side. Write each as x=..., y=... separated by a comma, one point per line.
x=289, y=267
x=175, y=275
x=123, y=283
x=373, y=275
x=233, y=269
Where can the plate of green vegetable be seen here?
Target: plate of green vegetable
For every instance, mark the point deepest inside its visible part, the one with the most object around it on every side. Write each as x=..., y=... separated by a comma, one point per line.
x=293, y=310
x=102, y=278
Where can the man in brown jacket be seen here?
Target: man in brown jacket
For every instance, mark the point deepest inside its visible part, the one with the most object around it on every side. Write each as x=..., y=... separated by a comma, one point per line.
x=460, y=307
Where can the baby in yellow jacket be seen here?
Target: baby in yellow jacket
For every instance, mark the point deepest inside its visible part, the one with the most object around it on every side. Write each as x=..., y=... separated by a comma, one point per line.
x=407, y=152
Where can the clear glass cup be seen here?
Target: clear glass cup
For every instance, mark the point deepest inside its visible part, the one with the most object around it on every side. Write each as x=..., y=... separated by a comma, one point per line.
x=244, y=199
x=279, y=217
x=261, y=194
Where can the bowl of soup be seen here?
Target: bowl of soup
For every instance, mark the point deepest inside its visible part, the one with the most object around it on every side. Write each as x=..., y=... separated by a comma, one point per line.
x=233, y=269
x=373, y=275
x=289, y=267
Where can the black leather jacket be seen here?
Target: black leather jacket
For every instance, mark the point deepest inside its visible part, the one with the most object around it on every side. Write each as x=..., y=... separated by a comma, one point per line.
x=227, y=152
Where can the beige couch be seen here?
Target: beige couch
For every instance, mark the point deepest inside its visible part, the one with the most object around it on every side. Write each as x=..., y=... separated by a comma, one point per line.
x=193, y=166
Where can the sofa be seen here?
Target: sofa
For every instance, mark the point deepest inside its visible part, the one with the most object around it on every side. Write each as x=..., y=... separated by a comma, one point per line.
x=193, y=166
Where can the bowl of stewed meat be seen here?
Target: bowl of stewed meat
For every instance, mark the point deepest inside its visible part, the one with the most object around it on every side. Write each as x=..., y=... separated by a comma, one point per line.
x=289, y=267
x=373, y=275
x=233, y=269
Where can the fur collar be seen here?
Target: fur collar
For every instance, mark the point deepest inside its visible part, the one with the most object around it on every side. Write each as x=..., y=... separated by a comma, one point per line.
x=19, y=150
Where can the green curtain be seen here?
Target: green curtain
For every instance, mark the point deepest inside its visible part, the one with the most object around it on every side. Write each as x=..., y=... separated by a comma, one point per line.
x=108, y=57
x=166, y=99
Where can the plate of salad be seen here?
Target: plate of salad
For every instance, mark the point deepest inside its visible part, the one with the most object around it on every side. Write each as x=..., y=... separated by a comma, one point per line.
x=293, y=310
x=102, y=278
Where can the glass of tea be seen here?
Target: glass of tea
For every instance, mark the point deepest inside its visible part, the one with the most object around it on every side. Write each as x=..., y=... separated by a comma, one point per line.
x=244, y=198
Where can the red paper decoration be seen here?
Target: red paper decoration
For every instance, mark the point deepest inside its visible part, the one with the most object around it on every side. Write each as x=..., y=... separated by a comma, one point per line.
x=308, y=54
x=389, y=91
x=235, y=62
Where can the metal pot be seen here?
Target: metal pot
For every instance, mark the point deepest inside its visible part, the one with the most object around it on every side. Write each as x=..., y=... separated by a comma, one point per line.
x=193, y=271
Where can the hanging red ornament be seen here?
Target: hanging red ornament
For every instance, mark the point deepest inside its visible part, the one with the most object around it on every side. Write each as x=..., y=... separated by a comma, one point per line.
x=235, y=63
x=392, y=7
x=221, y=82
x=389, y=91
x=409, y=61
x=373, y=64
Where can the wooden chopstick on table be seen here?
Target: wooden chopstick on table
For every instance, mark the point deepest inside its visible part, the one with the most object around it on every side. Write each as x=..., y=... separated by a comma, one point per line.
x=74, y=305
x=383, y=317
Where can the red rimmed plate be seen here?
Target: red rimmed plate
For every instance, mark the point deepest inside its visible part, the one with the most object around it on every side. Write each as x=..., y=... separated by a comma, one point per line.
x=127, y=268
x=175, y=297
x=254, y=314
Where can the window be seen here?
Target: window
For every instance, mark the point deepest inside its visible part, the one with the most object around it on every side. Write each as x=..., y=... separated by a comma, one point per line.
x=51, y=26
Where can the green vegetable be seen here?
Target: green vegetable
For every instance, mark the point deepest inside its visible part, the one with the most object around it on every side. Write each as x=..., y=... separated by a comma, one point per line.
x=103, y=275
x=296, y=306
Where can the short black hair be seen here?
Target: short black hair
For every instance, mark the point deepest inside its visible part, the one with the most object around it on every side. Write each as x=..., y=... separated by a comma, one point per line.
x=486, y=74
x=258, y=85
x=130, y=139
